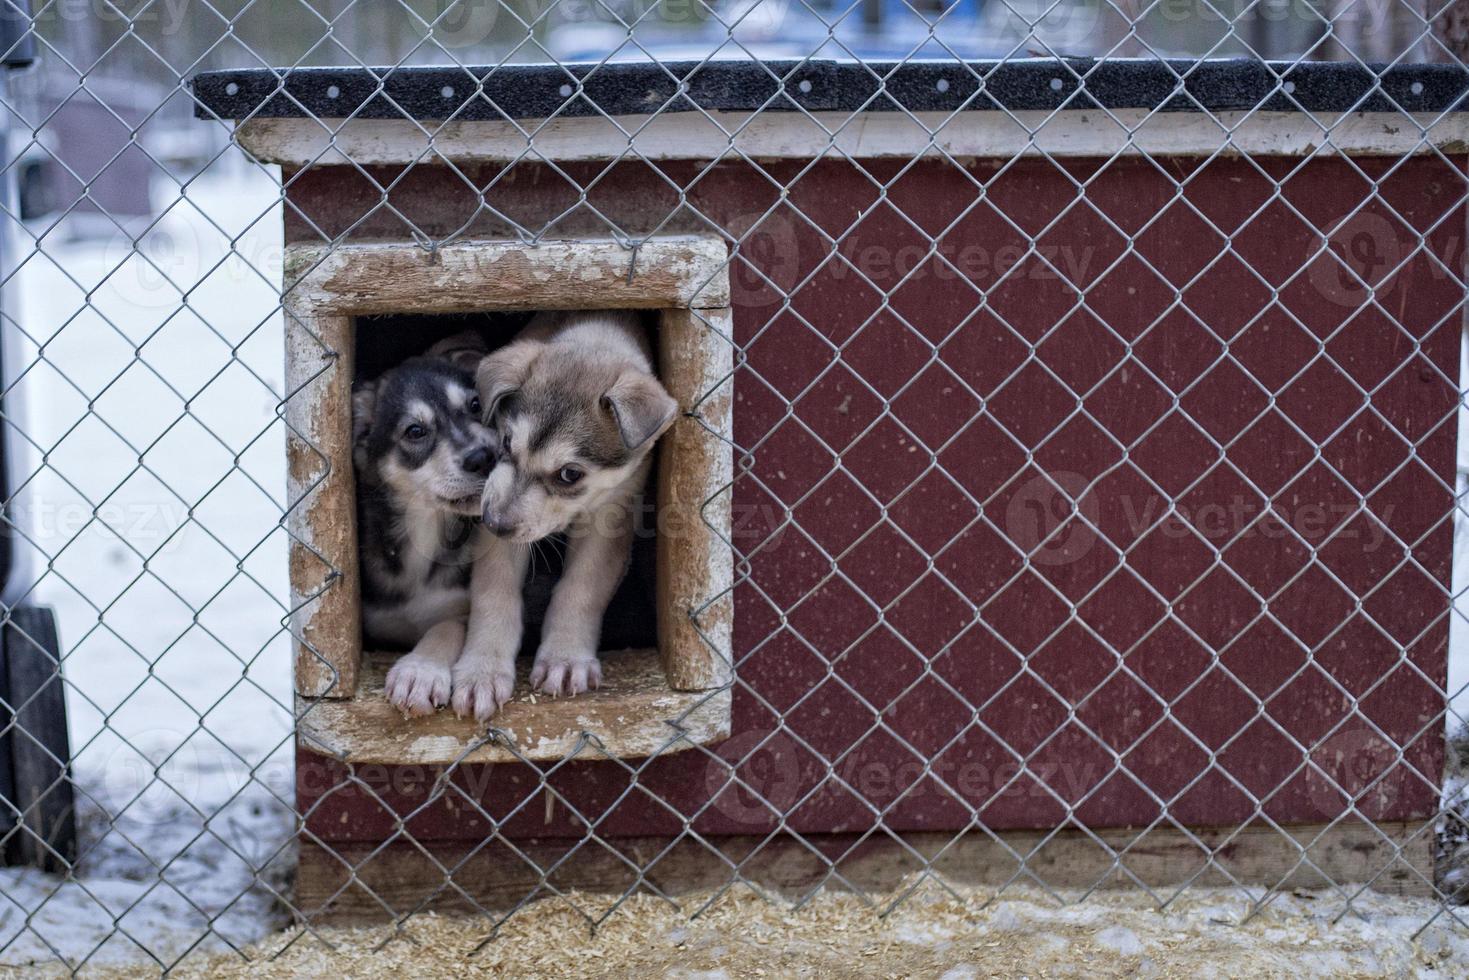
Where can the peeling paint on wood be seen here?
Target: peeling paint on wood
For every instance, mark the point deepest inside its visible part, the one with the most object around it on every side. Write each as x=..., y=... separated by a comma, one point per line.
x=843, y=135
x=633, y=715
x=325, y=619
x=673, y=271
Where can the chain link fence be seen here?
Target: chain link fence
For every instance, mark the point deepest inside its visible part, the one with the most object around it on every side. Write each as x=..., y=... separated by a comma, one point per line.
x=1094, y=378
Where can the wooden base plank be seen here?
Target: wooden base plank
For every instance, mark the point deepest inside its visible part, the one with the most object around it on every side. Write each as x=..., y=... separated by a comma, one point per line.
x=633, y=715
x=360, y=883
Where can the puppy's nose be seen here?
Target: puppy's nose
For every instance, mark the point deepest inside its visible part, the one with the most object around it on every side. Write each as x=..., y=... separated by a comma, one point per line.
x=498, y=528
x=477, y=462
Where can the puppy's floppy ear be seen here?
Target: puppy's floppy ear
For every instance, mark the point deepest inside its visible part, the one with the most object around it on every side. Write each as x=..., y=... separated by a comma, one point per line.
x=641, y=406
x=364, y=401
x=465, y=349
x=503, y=372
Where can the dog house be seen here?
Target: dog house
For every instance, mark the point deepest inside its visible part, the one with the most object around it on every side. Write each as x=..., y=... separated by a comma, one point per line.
x=1095, y=428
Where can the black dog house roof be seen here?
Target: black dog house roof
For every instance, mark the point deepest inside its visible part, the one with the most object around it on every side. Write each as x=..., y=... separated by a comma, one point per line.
x=541, y=91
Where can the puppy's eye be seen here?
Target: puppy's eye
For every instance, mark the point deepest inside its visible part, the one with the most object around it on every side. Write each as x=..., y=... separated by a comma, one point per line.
x=414, y=432
x=473, y=407
x=569, y=476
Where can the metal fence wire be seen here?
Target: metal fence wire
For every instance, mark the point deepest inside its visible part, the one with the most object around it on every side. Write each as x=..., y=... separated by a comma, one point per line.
x=1095, y=380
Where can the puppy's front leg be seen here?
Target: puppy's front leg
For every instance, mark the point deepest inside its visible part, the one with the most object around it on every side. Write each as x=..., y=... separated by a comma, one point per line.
x=419, y=682
x=484, y=675
x=597, y=554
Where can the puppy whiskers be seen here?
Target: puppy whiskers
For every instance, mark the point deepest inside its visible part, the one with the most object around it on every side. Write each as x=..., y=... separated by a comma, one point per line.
x=535, y=553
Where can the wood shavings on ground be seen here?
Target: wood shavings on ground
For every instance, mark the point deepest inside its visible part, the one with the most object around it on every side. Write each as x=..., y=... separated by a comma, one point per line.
x=1203, y=933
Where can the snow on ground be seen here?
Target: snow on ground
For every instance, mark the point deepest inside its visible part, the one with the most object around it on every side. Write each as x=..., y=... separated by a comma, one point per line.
x=154, y=535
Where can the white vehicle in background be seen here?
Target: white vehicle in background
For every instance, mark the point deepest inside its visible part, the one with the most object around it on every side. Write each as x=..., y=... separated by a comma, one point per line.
x=37, y=812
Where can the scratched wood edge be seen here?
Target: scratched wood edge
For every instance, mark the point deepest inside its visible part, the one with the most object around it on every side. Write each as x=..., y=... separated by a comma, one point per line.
x=695, y=561
x=325, y=621
x=326, y=286
x=633, y=715
x=780, y=135
x=350, y=883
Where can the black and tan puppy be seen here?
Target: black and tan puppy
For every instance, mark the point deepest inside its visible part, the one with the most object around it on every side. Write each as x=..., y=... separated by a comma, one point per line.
x=578, y=409
x=422, y=452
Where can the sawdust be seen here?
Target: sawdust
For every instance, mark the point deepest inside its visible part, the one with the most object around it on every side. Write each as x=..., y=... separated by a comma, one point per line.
x=1202, y=933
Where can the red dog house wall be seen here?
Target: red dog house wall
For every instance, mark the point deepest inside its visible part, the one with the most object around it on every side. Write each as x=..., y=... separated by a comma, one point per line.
x=1080, y=482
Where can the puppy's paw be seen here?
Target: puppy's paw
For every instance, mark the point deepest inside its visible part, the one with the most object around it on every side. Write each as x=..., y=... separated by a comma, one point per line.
x=480, y=690
x=417, y=685
x=565, y=673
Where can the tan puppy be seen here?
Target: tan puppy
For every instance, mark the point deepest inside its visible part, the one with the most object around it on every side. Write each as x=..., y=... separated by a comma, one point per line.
x=578, y=408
